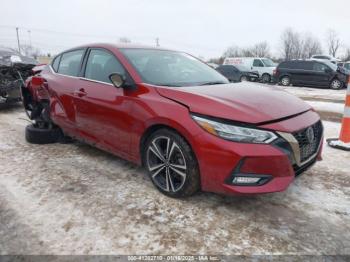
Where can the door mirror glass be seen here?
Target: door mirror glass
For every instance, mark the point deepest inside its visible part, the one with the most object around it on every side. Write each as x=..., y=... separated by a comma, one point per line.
x=117, y=80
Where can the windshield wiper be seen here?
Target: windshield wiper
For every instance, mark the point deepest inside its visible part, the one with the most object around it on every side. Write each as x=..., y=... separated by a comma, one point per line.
x=212, y=83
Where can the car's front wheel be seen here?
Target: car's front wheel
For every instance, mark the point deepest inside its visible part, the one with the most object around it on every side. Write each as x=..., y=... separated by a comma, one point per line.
x=243, y=79
x=171, y=164
x=266, y=78
x=336, y=84
x=285, y=81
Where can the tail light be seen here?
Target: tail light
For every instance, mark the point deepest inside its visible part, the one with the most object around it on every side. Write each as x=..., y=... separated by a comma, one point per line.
x=274, y=72
x=37, y=81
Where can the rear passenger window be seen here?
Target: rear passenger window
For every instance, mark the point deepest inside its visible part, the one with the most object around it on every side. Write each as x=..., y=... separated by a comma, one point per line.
x=101, y=64
x=70, y=63
x=55, y=63
x=305, y=65
x=258, y=63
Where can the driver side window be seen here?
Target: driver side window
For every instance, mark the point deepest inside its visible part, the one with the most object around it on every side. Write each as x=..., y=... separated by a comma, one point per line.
x=258, y=63
x=101, y=64
x=319, y=67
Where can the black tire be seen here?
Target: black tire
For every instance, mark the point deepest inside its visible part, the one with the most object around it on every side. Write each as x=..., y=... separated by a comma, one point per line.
x=285, y=81
x=336, y=84
x=36, y=135
x=178, y=149
x=266, y=78
x=243, y=79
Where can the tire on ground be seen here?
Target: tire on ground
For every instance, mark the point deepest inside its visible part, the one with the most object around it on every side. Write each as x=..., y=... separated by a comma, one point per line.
x=336, y=84
x=266, y=78
x=36, y=135
x=192, y=182
x=285, y=81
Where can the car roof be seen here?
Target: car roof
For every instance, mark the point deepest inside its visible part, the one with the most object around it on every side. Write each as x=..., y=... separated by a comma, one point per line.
x=117, y=46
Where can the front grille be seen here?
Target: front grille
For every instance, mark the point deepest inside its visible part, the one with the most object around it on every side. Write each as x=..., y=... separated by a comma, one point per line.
x=309, y=140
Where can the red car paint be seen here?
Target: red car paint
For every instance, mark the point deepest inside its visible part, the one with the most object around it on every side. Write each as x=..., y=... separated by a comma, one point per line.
x=116, y=119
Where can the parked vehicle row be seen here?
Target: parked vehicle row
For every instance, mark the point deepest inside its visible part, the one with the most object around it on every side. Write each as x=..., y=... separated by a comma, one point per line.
x=183, y=121
x=263, y=66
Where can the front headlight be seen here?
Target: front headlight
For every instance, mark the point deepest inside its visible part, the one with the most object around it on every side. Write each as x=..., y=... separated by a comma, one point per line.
x=235, y=133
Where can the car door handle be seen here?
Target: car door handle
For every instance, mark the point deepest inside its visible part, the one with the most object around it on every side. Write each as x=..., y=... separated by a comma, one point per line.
x=81, y=92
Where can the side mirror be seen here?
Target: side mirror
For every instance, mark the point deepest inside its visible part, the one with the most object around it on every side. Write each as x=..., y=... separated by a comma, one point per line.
x=117, y=80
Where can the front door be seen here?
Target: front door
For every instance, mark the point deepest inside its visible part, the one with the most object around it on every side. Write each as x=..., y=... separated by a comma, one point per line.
x=258, y=65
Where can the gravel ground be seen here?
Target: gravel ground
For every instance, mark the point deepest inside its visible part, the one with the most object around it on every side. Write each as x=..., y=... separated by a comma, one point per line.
x=75, y=199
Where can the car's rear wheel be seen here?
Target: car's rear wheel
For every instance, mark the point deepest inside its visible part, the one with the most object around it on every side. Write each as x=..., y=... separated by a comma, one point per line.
x=336, y=84
x=285, y=81
x=243, y=79
x=171, y=164
x=36, y=135
x=266, y=78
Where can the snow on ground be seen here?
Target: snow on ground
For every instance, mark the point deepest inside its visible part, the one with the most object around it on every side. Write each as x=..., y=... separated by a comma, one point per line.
x=327, y=107
x=75, y=199
x=316, y=93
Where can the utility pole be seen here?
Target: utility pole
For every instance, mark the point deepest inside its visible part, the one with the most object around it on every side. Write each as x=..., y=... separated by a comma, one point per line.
x=157, y=41
x=30, y=38
x=19, y=47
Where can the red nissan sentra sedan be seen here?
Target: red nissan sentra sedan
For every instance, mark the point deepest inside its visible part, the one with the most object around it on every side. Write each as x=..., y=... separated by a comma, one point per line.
x=183, y=121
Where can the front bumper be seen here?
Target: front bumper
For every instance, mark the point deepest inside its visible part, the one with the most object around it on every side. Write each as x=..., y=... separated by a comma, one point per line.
x=220, y=160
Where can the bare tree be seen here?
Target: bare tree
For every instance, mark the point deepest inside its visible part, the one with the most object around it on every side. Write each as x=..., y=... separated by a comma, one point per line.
x=291, y=44
x=333, y=42
x=30, y=51
x=346, y=56
x=232, y=51
x=261, y=49
x=311, y=46
x=299, y=46
x=124, y=40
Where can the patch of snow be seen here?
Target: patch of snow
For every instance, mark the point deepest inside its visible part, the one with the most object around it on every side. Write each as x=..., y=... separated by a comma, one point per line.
x=326, y=106
x=339, y=143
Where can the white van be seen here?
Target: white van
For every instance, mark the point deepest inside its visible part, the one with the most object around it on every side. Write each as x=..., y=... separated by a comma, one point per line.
x=264, y=66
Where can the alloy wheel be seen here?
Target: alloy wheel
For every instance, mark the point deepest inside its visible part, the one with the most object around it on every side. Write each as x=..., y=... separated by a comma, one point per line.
x=166, y=164
x=285, y=81
x=266, y=78
x=336, y=84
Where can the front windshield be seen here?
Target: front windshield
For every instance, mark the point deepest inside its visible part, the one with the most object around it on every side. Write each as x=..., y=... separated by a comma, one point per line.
x=268, y=62
x=171, y=68
x=331, y=65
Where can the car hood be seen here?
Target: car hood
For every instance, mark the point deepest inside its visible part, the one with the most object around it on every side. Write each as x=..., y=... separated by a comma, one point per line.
x=243, y=102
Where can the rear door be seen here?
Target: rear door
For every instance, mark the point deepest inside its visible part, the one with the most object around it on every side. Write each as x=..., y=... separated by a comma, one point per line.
x=103, y=111
x=62, y=84
x=303, y=73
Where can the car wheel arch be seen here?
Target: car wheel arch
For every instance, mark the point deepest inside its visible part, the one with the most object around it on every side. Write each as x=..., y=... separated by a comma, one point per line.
x=156, y=126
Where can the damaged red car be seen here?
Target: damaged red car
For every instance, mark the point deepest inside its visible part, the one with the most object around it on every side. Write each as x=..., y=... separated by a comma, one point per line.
x=184, y=122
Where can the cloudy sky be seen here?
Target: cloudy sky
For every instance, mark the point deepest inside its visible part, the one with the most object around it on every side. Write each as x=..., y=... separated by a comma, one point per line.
x=201, y=27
